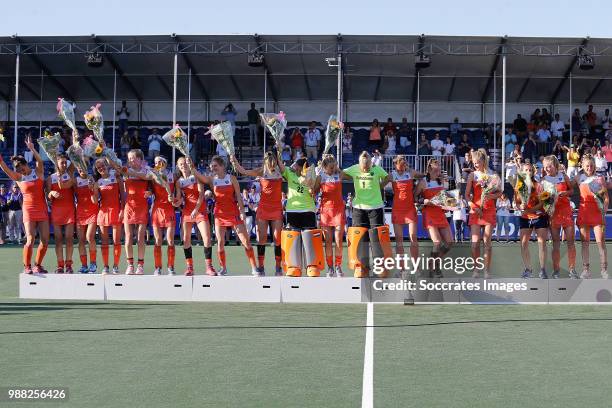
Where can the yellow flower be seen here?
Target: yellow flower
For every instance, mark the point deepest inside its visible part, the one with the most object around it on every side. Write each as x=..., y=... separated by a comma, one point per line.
x=99, y=149
x=177, y=133
x=544, y=196
x=334, y=123
x=159, y=166
x=519, y=185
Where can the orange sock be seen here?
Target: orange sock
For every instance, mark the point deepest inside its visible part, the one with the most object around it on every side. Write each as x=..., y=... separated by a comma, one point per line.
x=116, y=254
x=338, y=260
x=189, y=261
x=60, y=263
x=157, y=256
x=221, y=255
x=329, y=260
x=105, y=255
x=69, y=263
x=171, y=254
x=251, y=255
x=40, y=253
x=27, y=255
x=83, y=260
x=93, y=255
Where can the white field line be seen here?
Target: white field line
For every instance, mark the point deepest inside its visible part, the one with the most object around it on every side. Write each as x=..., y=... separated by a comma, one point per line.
x=367, y=396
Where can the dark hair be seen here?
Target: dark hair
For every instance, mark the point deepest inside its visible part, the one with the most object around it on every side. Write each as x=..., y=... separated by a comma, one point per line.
x=219, y=160
x=18, y=160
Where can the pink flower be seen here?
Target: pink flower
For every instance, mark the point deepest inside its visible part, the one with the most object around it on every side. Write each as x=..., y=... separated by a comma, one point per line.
x=281, y=115
x=59, y=105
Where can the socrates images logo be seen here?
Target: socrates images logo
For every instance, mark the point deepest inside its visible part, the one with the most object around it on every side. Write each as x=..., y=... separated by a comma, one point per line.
x=405, y=262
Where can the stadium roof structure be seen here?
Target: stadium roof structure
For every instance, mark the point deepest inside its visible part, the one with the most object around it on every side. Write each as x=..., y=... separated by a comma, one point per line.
x=375, y=68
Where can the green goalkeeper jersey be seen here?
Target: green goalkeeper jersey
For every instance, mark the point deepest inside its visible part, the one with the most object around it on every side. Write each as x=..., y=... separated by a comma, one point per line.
x=299, y=198
x=367, y=186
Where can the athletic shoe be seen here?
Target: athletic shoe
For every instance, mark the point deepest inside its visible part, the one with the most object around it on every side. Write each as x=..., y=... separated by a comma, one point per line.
x=129, y=270
x=93, y=267
x=556, y=275
x=140, y=269
x=330, y=272
x=105, y=270
x=543, y=274
x=586, y=274
x=171, y=271
x=604, y=274
x=278, y=271
x=526, y=274
x=223, y=271
x=339, y=273
x=573, y=274
x=39, y=269
x=210, y=270
x=157, y=272
x=257, y=271
x=27, y=270
x=59, y=270
x=83, y=269
x=189, y=271
x=69, y=270
x=115, y=270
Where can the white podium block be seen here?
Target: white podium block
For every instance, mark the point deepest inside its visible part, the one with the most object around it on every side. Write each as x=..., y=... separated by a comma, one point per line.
x=68, y=287
x=536, y=293
x=580, y=291
x=148, y=287
x=236, y=289
x=325, y=290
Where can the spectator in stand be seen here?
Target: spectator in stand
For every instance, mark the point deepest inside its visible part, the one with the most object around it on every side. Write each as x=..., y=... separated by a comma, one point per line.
x=423, y=149
x=347, y=145
x=511, y=141
x=573, y=158
x=123, y=115
x=404, y=136
x=14, y=202
x=576, y=122
x=389, y=126
x=135, y=140
x=503, y=217
x=297, y=139
x=125, y=144
x=467, y=167
x=601, y=164
x=535, y=116
x=375, y=139
x=520, y=126
x=605, y=120
x=516, y=153
x=437, y=145
x=286, y=155
x=154, y=141
x=3, y=213
x=591, y=118
x=607, y=150
x=545, y=117
x=249, y=214
x=377, y=158
x=543, y=134
x=460, y=220
x=313, y=141
x=529, y=148
x=463, y=148
x=455, y=127
x=297, y=153
x=229, y=113
x=557, y=127
x=558, y=152
x=253, y=118
x=391, y=143
x=449, y=146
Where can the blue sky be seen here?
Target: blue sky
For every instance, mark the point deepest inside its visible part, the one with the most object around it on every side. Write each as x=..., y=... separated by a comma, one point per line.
x=541, y=18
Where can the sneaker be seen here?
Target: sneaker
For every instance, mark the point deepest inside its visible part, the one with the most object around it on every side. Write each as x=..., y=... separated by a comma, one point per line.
x=278, y=271
x=58, y=270
x=129, y=270
x=189, y=270
x=171, y=271
x=157, y=272
x=556, y=275
x=93, y=267
x=69, y=270
x=105, y=270
x=586, y=274
x=257, y=271
x=604, y=274
x=339, y=273
x=27, y=270
x=261, y=271
x=115, y=270
x=573, y=274
x=83, y=269
x=543, y=274
x=330, y=272
x=140, y=269
x=223, y=271
x=210, y=270
x=526, y=274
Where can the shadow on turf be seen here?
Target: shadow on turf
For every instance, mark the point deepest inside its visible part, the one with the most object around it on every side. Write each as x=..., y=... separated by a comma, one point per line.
x=383, y=326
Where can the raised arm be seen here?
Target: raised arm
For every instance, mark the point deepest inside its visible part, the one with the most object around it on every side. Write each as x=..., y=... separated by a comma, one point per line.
x=40, y=164
x=13, y=175
x=253, y=172
x=281, y=165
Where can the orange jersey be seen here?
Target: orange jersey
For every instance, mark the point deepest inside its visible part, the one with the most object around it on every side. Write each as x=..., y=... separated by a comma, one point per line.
x=331, y=193
x=162, y=212
x=189, y=188
x=489, y=210
x=110, y=203
x=534, y=201
x=87, y=208
x=589, y=213
x=34, y=204
x=161, y=195
x=403, y=211
x=563, y=210
x=226, y=206
x=62, y=207
x=270, y=205
x=433, y=216
x=136, y=210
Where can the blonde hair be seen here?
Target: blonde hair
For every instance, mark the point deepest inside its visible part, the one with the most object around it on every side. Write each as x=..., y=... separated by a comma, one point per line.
x=270, y=161
x=588, y=157
x=328, y=160
x=365, y=157
x=138, y=153
x=552, y=159
x=399, y=158
x=481, y=155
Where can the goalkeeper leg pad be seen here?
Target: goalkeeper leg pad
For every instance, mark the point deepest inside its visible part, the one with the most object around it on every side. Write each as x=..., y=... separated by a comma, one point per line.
x=291, y=253
x=380, y=243
x=313, y=251
x=358, y=251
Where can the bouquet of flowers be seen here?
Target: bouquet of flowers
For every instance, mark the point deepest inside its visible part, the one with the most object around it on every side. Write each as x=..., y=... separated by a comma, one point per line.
x=447, y=200
x=223, y=133
x=599, y=192
x=95, y=122
x=177, y=138
x=159, y=175
x=50, y=142
x=76, y=156
x=92, y=148
x=523, y=186
x=1, y=134
x=310, y=175
x=490, y=183
x=332, y=133
x=548, y=196
x=276, y=124
x=111, y=155
x=65, y=111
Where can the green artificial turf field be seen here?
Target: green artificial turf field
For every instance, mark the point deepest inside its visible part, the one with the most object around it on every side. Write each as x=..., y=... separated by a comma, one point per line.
x=147, y=354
